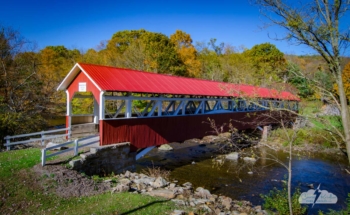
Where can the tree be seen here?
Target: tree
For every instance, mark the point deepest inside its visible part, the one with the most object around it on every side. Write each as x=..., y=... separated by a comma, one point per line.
x=158, y=53
x=21, y=101
x=316, y=24
x=346, y=81
x=186, y=52
x=236, y=66
x=267, y=61
x=54, y=62
x=300, y=82
x=211, y=67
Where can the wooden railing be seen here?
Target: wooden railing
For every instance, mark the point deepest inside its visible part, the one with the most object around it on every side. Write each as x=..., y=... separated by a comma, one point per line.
x=74, y=146
x=43, y=136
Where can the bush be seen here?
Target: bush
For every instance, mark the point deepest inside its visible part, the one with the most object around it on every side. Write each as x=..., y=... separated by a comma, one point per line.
x=277, y=200
x=156, y=172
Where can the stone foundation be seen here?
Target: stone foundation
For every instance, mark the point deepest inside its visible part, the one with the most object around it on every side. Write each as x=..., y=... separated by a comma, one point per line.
x=105, y=160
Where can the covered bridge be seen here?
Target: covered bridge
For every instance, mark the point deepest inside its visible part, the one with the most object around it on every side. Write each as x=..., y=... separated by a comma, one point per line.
x=148, y=109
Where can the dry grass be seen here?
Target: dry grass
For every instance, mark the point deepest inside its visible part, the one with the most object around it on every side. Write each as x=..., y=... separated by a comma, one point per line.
x=156, y=172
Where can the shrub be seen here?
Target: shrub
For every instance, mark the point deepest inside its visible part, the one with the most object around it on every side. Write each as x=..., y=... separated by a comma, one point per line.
x=156, y=172
x=342, y=212
x=277, y=200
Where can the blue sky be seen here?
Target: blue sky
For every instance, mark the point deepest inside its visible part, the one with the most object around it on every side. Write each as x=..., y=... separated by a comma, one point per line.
x=83, y=24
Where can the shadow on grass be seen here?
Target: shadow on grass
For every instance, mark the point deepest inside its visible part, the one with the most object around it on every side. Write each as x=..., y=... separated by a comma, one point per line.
x=144, y=206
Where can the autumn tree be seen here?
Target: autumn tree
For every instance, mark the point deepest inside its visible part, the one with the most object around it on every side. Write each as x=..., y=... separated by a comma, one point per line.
x=236, y=66
x=186, y=52
x=54, y=63
x=21, y=101
x=320, y=25
x=346, y=81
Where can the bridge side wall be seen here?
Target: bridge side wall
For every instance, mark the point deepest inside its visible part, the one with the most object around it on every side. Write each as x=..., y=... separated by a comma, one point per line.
x=145, y=132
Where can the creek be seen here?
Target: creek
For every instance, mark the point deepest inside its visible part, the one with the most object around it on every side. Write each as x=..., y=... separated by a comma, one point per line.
x=193, y=162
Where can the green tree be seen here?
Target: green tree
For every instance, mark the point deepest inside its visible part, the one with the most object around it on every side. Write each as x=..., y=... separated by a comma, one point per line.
x=211, y=67
x=321, y=25
x=303, y=84
x=236, y=66
x=269, y=63
x=21, y=101
x=158, y=53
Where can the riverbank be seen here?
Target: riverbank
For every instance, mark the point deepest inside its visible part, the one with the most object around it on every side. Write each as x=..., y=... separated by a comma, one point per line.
x=38, y=190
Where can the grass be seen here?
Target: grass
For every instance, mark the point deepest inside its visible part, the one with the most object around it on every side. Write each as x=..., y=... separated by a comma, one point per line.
x=317, y=133
x=21, y=194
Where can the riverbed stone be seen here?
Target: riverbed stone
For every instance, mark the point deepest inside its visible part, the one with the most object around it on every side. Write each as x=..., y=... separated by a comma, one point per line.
x=144, y=180
x=172, y=186
x=179, y=202
x=178, y=212
x=232, y=156
x=120, y=188
x=202, y=193
x=159, y=182
x=165, y=147
x=168, y=194
x=187, y=185
x=226, y=202
x=178, y=190
x=125, y=181
x=205, y=208
x=249, y=160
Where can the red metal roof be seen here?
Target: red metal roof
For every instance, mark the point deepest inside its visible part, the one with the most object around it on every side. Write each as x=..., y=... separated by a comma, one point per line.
x=127, y=80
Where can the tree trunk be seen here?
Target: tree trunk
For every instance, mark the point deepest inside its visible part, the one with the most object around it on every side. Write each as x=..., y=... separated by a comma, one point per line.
x=290, y=178
x=344, y=112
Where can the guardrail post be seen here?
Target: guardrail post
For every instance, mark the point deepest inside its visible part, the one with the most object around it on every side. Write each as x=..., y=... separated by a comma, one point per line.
x=69, y=133
x=42, y=138
x=43, y=156
x=7, y=143
x=76, y=147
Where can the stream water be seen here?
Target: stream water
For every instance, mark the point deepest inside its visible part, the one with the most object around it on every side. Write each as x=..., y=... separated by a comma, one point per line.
x=192, y=162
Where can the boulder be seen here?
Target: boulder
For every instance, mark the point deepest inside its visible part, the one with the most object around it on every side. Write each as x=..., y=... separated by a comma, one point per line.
x=226, y=202
x=172, y=186
x=165, y=147
x=120, y=188
x=159, y=182
x=187, y=185
x=145, y=180
x=202, y=193
x=125, y=181
x=127, y=174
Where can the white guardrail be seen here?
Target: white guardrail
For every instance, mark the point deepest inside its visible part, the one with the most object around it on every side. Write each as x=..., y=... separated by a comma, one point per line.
x=78, y=143
x=8, y=143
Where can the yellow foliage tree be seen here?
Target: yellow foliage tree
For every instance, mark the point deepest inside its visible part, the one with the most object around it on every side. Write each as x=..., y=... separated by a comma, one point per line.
x=346, y=81
x=186, y=52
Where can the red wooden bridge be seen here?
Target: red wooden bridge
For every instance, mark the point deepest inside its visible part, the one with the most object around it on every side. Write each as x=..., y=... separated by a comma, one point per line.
x=149, y=109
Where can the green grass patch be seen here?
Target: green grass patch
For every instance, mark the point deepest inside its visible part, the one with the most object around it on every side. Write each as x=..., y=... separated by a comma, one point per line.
x=20, y=193
x=305, y=135
x=13, y=161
